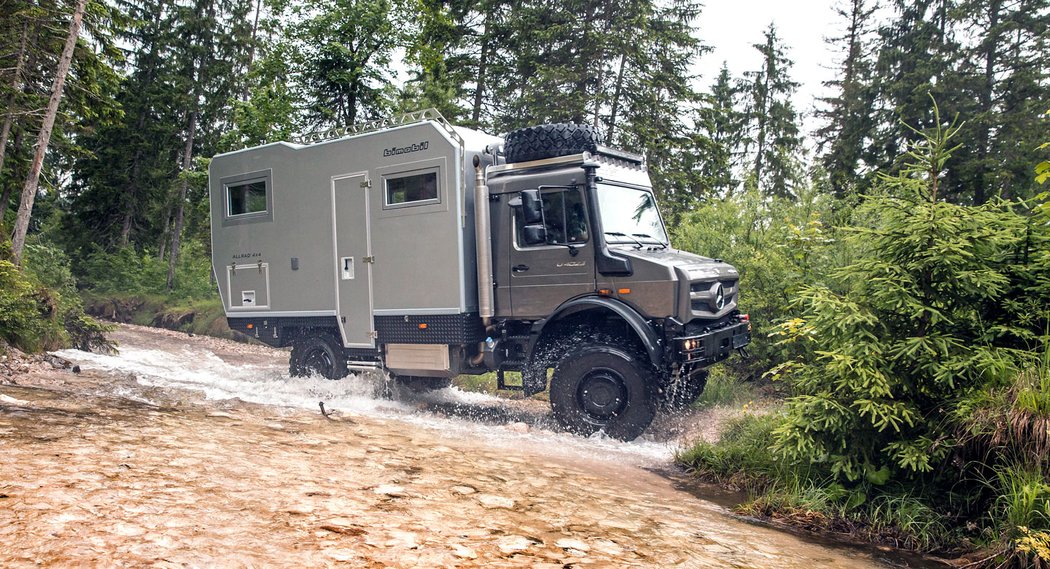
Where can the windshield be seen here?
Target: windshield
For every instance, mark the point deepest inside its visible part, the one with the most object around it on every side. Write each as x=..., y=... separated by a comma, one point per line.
x=630, y=216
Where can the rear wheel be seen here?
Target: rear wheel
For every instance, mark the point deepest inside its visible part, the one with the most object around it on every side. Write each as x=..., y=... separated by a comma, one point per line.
x=318, y=354
x=604, y=388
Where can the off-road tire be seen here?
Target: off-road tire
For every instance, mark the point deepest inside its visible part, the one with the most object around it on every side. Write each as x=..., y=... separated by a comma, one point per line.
x=422, y=384
x=681, y=396
x=318, y=353
x=550, y=141
x=607, y=388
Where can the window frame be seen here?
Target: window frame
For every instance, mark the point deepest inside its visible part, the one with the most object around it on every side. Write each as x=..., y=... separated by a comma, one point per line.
x=264, y=176
x=517, y=222
x=386, y=178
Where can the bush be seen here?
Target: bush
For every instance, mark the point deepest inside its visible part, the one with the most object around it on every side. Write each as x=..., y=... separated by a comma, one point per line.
x=39, y=306
x=779, y=246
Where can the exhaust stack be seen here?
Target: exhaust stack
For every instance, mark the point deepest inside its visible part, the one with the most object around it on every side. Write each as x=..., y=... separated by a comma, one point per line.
x=483, y=241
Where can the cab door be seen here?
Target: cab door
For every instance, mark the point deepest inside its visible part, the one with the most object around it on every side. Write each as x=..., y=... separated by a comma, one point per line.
x=544, y=276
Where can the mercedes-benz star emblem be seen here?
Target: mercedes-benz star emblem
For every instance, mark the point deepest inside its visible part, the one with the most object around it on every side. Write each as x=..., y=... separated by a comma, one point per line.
x=720, y=297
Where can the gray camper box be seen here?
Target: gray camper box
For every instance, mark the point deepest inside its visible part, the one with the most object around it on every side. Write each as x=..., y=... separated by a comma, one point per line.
x=366, y=235
x=363, y=248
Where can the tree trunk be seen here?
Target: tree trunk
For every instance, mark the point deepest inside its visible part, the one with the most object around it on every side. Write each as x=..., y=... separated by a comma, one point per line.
x=5, y=199
x=25, y=208
x=251, y=49
x=616, y=99
x=180, y=206
x=132, y=194
x=9, y=117
x=479, y=92
x=984, y=135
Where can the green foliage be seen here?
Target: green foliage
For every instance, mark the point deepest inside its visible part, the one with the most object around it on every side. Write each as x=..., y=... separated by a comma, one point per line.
x=778, y=245
x=913, y=321
x=39, y=305
x=130, y=272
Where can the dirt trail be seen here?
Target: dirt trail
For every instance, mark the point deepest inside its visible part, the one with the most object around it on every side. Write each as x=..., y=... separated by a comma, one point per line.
x=99, y=470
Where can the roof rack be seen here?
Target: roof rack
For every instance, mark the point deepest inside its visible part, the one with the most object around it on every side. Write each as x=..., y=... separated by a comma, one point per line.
x=379, y=124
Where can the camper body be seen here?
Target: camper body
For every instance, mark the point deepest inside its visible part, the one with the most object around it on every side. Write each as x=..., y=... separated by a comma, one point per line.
x=424, y=250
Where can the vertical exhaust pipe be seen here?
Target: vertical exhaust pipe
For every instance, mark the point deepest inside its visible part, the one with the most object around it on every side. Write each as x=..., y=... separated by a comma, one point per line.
x=483, y=242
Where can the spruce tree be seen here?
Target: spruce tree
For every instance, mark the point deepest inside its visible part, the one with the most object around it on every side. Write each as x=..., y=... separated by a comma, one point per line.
x=774, y=144
x=848, y=113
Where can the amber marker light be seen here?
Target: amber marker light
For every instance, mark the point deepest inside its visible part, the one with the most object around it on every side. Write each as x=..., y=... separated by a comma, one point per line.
x=250, y=326
x=604, y=292
x=624, y=291
x=423, y=326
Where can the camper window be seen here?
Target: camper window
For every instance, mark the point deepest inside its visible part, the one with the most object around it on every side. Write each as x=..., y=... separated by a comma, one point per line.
x=415, y=189
x=246, y=197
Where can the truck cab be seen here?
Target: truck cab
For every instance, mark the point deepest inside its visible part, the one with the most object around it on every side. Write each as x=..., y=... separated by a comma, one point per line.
x=587, y=285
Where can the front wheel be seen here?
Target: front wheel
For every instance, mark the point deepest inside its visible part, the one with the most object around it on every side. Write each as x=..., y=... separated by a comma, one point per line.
x=604, y=388
x=318, y=354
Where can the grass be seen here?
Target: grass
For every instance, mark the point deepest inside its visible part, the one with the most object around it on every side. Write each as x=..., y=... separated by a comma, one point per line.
x=806, y=496
x=199, y=316
x=724, y=389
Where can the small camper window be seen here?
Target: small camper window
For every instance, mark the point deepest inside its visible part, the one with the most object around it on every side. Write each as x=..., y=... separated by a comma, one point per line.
x=414, y=189
x=246, y=197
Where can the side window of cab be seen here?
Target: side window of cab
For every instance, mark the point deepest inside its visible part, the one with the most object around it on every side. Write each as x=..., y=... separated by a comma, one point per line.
x=564, y=218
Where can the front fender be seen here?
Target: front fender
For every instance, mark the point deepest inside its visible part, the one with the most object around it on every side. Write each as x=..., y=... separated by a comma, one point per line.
x=534, y=376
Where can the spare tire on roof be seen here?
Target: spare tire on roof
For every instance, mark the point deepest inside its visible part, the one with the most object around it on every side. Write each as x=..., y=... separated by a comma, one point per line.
x=550, y=141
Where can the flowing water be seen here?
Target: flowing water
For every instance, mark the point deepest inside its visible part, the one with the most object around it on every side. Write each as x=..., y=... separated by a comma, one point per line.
x=197, y=452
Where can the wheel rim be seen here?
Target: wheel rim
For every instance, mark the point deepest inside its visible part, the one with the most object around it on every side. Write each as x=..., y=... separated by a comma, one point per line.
x=602, y=394
x=318, y=361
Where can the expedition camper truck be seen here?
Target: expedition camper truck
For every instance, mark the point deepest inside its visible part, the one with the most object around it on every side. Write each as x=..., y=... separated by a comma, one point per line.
x=426, y=251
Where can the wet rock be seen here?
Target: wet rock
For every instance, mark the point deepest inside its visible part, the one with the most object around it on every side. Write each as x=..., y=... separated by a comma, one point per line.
x=491, y=502
x=390, y=490
x=463, y=552
x=57, y=362
x=572, y=544
x=342, y=526
x=513, y=543
x=518, y=427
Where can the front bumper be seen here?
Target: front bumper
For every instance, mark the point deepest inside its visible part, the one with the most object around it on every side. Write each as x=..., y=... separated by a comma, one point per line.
x=713, y=345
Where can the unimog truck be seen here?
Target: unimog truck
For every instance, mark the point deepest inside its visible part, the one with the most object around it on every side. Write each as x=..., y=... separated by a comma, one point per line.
x=426, y=250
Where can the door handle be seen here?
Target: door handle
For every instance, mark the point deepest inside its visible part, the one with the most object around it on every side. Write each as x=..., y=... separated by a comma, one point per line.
x=520, y=268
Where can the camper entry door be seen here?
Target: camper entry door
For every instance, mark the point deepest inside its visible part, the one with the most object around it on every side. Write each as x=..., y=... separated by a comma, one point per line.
x=353, y=259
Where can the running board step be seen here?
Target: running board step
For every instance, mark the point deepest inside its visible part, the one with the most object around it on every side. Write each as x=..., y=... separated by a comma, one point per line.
x=501, y=384
x=364, y=366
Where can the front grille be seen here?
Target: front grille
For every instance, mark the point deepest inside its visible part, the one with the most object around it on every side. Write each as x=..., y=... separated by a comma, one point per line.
x=702, y=295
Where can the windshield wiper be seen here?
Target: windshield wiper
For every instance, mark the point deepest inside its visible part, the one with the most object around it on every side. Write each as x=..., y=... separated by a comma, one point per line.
x=647, y=236
x=618, y=234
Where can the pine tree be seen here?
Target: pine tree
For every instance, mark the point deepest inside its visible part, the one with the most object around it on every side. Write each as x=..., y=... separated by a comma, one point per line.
x=1003, y=89
x=774, y=144
x=720, y=126
x=848, y=113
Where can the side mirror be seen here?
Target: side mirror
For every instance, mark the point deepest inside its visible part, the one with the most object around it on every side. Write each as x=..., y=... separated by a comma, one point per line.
x=534, y=234
x=531, y=207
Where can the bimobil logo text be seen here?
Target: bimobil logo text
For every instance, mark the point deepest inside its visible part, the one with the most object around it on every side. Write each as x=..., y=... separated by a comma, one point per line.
x=394, y=151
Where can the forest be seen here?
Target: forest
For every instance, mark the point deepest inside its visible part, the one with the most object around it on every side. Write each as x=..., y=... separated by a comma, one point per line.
x=895, y=260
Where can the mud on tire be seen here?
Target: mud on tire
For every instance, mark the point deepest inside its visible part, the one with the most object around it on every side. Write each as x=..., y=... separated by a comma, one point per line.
x=550, y=141
x=318, y=353
x=604, y=387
